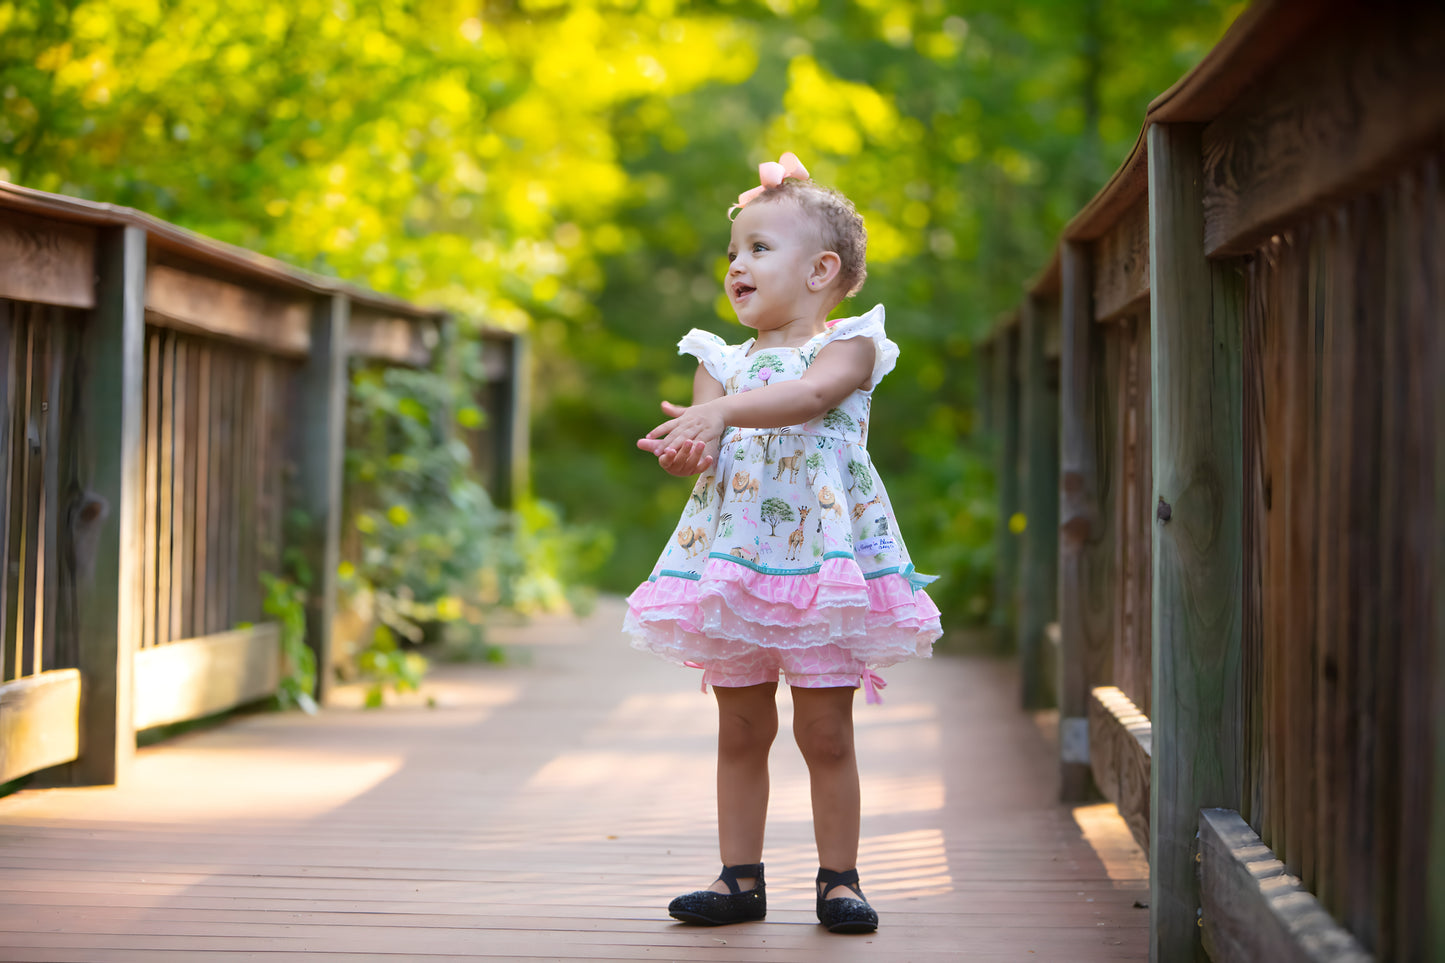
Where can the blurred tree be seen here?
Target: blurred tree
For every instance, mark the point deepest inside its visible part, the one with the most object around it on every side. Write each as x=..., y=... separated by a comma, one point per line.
x=565, y=165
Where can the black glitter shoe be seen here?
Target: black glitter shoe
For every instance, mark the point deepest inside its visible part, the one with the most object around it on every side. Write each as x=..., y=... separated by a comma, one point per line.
x=706, y=908
x=844, y=915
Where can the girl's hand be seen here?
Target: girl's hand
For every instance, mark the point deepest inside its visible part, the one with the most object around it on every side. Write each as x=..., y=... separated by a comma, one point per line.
x=702, y=423
x=691, y=458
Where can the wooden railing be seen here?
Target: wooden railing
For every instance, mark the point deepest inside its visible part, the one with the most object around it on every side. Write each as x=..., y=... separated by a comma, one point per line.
x=1251, y=538
x=168, y=400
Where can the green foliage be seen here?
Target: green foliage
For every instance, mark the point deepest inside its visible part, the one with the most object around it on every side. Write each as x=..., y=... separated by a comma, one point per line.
x=427, y=529
x=434, y=554
x=285, y=602
x=385, y=666
x=557, y=560
x=485, y=157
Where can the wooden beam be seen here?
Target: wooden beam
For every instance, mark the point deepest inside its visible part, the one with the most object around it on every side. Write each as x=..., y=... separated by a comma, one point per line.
x=1252, y=44
x=405, y=341
x=177, y=243
x=318, y=447
x=1196, y=309
x=199, y=677
x=110, y=468
x=39, y=722
x=1120, y=741
x=1121, y=264
x=1079, y=526
x=47, y=262
x=1254, y=910
x=1332, y=117
x=191, y=302
x=1039, y=488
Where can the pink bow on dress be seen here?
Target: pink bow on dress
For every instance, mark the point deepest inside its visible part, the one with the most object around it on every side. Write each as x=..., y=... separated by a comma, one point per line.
x=872, y=682
x=771, y=174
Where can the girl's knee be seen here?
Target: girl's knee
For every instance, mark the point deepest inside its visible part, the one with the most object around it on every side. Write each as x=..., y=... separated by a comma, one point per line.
x=825, y=741
x=746, y=733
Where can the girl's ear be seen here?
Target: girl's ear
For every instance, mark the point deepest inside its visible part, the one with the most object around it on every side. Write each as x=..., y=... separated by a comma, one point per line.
x=825, y=268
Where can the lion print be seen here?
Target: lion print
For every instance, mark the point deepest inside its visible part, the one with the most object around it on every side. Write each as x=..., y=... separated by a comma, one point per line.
x=745, y=486
x=692, y=539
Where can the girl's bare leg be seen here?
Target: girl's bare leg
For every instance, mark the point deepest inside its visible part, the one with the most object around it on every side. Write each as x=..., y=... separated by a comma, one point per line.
x=747, y=725
x=823, y=727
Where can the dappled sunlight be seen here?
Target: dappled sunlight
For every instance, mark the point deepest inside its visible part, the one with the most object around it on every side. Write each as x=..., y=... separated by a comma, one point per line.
x=202, y=786
x=662, y=715
x=1108, y=835
x=896, y=866
x=889, y=714
x=906, y=865
x=576, y=771
x=211, y=787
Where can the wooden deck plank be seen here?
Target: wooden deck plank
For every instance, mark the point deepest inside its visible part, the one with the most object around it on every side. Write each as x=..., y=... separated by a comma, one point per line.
x=549, y=809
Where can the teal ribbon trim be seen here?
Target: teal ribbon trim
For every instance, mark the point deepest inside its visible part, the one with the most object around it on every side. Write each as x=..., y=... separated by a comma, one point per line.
x=765, y=570
x=916, y=580
x=674, y=573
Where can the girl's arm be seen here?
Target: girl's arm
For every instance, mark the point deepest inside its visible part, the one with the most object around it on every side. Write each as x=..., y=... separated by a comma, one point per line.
x=692, y=457
x=840, y=369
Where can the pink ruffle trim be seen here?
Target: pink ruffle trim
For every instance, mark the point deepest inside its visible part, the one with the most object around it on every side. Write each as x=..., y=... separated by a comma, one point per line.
x=733, y=608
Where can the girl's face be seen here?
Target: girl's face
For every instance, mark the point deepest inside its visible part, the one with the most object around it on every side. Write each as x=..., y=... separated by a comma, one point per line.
x=771, y=257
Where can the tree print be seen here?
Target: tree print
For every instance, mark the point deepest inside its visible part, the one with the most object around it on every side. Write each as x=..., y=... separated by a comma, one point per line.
x=775, y=511
x=815, y=464
x=765, y=360
x=838, y=418
x=862, y=478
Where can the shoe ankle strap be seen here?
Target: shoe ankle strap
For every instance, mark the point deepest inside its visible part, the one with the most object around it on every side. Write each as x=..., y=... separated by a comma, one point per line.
x=731, y=875
x=830, y=880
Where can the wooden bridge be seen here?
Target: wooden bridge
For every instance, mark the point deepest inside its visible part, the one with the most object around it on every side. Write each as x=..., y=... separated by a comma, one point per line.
x=1218, y=414
x=549, y=810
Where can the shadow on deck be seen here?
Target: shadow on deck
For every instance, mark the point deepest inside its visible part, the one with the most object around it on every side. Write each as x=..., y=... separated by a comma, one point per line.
x=549, y=810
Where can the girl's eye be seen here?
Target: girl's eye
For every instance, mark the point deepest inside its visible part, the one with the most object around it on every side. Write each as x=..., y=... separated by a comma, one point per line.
x=759, y=246
x=732, y=257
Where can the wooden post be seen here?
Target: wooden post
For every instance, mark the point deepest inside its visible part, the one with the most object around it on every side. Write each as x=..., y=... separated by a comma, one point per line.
x=1079, y=526
x=109, y=422
x=320, y=441
x=1435, y=368
x=1198, y=450
x=519, y=472
x=1039, y=487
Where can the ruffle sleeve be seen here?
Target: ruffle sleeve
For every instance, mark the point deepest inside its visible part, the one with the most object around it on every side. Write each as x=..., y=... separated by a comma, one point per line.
x=868, y=325
x=709, y=349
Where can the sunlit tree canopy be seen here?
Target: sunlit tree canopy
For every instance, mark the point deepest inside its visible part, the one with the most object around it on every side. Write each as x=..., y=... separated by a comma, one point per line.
x=564, y=168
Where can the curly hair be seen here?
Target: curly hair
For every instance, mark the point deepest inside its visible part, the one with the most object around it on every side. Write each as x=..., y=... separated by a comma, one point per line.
x=840, y=226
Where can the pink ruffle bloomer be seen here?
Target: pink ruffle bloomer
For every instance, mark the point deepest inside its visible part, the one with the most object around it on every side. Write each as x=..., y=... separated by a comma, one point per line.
x=830, y=625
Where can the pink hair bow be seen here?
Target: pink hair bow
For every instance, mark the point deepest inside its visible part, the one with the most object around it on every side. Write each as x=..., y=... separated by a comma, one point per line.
x=771, y=174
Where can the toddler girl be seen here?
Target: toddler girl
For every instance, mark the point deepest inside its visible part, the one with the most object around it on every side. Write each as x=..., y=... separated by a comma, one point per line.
x=787, y=558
